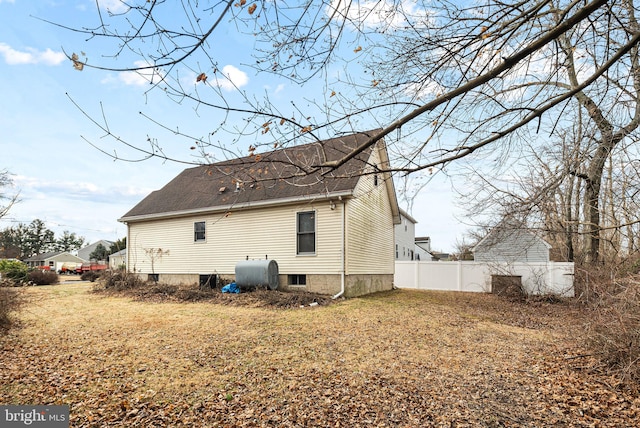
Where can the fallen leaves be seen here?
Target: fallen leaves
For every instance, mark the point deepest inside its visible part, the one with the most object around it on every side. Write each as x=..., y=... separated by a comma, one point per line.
x=400, y=358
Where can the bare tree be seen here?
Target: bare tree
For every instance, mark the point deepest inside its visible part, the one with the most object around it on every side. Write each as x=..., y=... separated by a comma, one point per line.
x=154, y=254
x=7, y=201
x=443, y=81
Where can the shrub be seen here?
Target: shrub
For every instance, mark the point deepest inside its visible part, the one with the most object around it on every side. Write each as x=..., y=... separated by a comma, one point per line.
x=10, y=299
x=14, y=270
x=90, y=275
x=42, y=277
x=614, y=330
x=121, y=280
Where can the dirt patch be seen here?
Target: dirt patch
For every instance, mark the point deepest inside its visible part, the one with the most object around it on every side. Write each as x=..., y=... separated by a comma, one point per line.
x=64, y=279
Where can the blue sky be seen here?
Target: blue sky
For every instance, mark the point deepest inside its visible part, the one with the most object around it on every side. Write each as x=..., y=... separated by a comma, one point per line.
x=71, y=185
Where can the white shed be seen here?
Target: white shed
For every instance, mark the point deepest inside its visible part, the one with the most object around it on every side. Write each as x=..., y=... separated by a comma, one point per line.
x=504, y=244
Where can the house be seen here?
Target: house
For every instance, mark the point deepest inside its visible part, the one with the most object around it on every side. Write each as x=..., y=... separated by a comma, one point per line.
x=422, y=248
x=85, y=253
x=405, y=233
x=511, y=244
x=118, y=259
x=330, y=230
x=53, y=260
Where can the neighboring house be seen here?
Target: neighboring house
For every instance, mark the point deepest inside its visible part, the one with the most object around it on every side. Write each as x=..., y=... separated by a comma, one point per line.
x=85, y=253
x=118, y=259
x=405, y=233
x=330, y=231
x=509, y=244
x=53, y=260
x=422, y=248
x=424, y=253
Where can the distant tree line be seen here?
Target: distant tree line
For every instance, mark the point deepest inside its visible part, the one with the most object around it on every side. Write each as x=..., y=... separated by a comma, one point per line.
x=27, y=240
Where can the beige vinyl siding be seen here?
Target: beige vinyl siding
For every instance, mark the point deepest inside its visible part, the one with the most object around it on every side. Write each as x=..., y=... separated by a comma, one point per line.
x=254, y=233
x=370, y=229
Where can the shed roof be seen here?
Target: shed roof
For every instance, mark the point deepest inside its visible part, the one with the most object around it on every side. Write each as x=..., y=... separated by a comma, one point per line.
x=500, y=233
x=287, y=174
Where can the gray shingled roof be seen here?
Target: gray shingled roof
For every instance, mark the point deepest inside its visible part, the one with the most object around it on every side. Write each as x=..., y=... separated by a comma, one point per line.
x=277, y=175
x=42, y=256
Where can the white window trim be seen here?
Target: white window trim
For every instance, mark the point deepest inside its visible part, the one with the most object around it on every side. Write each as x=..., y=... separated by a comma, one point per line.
x=315, y=234
x=198, y=241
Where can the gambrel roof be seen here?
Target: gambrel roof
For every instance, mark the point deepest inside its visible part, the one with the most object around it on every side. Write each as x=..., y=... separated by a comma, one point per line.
x=286, y=175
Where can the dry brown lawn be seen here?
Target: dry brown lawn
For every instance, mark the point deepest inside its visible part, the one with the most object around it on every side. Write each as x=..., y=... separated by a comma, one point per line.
x=396, y=359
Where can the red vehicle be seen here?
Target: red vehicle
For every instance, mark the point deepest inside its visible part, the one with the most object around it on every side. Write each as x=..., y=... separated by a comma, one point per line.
x=93, y=266
x=68, y=268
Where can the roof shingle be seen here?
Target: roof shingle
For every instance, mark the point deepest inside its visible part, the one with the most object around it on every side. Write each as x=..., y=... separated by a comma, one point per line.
x=283, y=174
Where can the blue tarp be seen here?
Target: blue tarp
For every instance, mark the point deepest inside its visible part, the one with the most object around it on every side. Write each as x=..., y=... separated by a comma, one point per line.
x=231, y=288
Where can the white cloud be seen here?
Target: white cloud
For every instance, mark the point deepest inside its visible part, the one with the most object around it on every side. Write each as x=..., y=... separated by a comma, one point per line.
x=31, y=56
x=113, y=6
x=277, y=89
x=7, y=1
x=140, y=77
x=36, y=188
x=374, y=13
x=228, y=79
x=428, y=89
x=233, y=78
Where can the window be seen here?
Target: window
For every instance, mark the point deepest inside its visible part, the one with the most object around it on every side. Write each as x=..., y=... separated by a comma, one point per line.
x=155, y=277
x=396, y=251
x=199, y=229
x=306, y=229
x=375, y=175
x=297, y=279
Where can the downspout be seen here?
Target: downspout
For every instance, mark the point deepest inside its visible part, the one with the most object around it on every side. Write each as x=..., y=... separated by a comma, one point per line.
x=342, y=267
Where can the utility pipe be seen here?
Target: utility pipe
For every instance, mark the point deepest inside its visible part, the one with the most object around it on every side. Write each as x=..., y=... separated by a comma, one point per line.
x=342, y=268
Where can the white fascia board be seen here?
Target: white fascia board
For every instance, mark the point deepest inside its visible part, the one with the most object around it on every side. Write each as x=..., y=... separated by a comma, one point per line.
x=241, y=206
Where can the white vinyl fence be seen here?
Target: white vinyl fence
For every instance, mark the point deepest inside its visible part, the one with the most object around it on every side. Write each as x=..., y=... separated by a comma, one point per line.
x=537, y=278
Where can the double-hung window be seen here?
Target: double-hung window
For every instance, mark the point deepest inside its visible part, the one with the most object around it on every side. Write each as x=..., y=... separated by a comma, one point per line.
x=306, y=231
x=199, y=231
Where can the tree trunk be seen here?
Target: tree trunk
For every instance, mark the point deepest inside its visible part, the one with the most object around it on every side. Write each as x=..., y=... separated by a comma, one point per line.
x=568, y=220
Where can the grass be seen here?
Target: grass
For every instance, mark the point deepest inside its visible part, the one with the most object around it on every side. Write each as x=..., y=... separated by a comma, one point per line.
x=402, y=358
